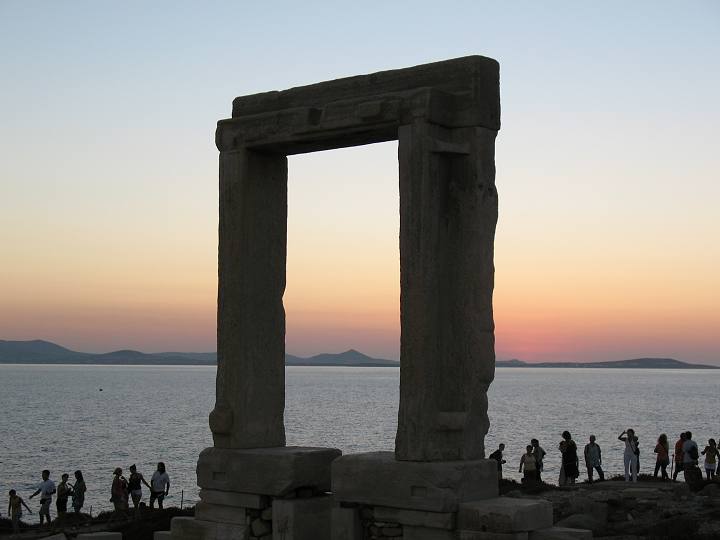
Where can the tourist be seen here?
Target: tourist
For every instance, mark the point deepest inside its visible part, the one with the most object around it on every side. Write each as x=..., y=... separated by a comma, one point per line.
x=119, y=491
x=662, y=449
x=690, y=459
x=569, y=470
x=711, y=458
x=497, y=455
x=63, y=493
x=78, y=492
x=528, y=466
x=678, y=459
x=45, y=489
x=15, y=510
x=630, y=456
x=539, y=454
x=135, y=486
x=593, y=459
x=159, y=486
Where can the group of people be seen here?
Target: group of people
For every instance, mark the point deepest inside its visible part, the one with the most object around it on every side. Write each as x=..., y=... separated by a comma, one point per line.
x=125, y=489
x=686, y=458
x=121, y=491
x=64, y=491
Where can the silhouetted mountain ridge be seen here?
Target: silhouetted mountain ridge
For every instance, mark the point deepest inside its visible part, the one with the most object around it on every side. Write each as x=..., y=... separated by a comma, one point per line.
x=45, y=352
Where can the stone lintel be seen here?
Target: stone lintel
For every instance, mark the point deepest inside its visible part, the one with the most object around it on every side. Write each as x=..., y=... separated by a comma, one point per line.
x=366, y=109
x=266, y=471
x=505, y=515
x=477, y=76
x=378, y=479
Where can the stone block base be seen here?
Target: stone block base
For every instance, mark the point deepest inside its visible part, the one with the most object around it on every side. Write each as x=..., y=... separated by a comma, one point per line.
x=100, y=536
x=266, y=471
x=162, y=535
x=561, y=533
x=505, y=515
x=187, y=528
x=378, y=479
x=302, y=519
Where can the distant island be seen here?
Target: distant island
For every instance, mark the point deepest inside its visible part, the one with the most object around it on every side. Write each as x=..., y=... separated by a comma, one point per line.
x=46, y=352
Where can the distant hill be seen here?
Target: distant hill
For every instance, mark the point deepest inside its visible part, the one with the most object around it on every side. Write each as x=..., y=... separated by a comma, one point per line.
x=642, y=363
x=45, y=352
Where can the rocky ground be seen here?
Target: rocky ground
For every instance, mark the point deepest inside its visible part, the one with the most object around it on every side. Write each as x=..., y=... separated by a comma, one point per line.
x=646, y=510
x=72, y=525
x=613, y=510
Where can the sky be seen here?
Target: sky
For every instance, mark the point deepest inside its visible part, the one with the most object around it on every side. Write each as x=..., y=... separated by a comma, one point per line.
x=608, y=165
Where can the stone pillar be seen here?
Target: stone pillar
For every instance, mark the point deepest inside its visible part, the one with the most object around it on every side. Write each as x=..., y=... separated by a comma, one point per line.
x=448, y=213
x=250, y=393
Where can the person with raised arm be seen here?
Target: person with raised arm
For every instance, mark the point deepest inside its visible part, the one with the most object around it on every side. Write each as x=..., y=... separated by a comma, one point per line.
x=630, y=454
x=45, y=489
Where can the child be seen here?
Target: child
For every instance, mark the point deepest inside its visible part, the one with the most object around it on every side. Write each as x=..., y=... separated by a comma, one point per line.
x=528, y=463
x=15, y=510
x=711, y=455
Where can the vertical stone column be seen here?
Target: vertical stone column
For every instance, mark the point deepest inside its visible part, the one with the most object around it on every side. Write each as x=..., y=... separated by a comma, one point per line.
x=448, y=213
x=250, y=394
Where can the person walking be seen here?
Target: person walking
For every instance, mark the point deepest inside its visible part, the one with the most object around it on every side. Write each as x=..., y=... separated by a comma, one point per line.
x=78, y=492
x=679, y=458
x=63, y=493
x=570, y=470
x=593, y=459
x=497, y=455
x=15, y=505
x=711, y=458
x=135, y=486
x=630, y=454
x=45, y=489
x=662, y=449
x=159, y=485
x=539, y=454
x=528, y=466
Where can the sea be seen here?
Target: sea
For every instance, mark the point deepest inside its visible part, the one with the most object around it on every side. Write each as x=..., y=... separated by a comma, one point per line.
x=96, y=418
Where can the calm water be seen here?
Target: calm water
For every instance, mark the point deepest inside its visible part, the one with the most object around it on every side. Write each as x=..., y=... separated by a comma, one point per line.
x=56, y=417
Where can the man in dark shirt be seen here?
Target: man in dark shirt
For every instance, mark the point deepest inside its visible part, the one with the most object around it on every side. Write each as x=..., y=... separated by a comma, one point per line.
x=497, y=455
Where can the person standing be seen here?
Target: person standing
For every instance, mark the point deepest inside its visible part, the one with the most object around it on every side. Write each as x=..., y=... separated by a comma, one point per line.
x=119, y=492
x=662, y=449
x=570, y=468
x=539, y=454
x=45, y=489
x=711, y=458
x=15, y=505
x=135, y=486
x=690, y=458
x=63, y=493
x=78, y=492
x=679, y=458
x=497, y=455
x=159, y=486
x=528, y=466
x=630, y=454
x=593, y=459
